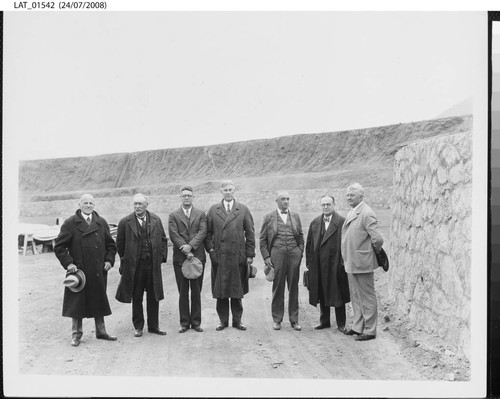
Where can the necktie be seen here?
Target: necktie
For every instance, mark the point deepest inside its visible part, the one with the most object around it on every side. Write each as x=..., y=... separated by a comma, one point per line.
x=141, y=220
x=284, y=212
x=88, y=219
x=228, y=208
x=187, y=214
x=326, y=220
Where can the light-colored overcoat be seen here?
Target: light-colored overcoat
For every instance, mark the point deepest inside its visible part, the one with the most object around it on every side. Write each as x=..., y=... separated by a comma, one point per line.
x=360, y=236
x=324, y=256
x=87, y=247
x=128, y=243
x=232, y=237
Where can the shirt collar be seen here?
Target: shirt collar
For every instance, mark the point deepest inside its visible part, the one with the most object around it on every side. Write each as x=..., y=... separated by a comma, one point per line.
x=357, y=206
x=85, y=216
x=231, y=203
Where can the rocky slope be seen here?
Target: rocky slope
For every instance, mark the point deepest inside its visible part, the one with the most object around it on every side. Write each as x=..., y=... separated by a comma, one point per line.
x=299, y=162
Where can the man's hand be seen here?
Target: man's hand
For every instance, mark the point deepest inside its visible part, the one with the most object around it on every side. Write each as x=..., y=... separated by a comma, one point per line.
x=268, y=263
x=72, y=268
x=186, y=249
x=190, y=255
x=107, y=266
x=249, y=261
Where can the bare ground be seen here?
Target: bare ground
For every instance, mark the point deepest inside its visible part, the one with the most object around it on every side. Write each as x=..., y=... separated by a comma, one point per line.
x=259, y=352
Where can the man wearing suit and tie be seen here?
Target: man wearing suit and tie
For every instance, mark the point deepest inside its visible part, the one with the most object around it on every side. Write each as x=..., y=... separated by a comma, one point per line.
x=142, y=246
x=281, y=246
x=360, y=238
x=187, y=228
x=231, y=244
x=328, y=282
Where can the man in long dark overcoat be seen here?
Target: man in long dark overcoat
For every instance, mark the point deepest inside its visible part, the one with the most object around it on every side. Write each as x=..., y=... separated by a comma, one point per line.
x=231, y=244
x=328, y=283
x=142, y=246
x=85, y=243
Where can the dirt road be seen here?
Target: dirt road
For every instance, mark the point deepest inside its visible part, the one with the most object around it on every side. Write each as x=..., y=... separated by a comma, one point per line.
x=259, y=352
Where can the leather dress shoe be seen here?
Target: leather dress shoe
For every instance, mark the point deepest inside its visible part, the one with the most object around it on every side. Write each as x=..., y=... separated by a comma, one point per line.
x=342, y=329
x=296, y=326
x=138, y=333
x=221, y=326
x=352, y=332
x=364, y=337
x=277, y=326
x=182, y=329
x=322, y=326
x=239, y=326
x=106, y=337
x=75, y=342
x=156, y=331
x=197, y=329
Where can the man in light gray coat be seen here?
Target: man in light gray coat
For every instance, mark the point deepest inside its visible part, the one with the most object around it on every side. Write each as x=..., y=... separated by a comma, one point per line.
x=360, y=240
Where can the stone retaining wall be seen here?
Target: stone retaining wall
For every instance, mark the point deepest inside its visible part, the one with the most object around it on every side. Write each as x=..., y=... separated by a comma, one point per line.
x=429, y=281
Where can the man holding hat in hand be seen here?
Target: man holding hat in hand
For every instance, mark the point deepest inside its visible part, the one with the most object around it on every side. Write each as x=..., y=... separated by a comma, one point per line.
x=187, y=228
x=281, y=246
x=87, y=251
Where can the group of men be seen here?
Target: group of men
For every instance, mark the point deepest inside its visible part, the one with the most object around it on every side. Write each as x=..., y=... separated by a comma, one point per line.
x=340, y=258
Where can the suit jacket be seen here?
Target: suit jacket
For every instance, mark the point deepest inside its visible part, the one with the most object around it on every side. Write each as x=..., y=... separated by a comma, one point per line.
x=323, y=256
x=87, y=247
x=128, y=243
x=183, y=231
x=270, y=229
x=360, y=236
x=232, y=238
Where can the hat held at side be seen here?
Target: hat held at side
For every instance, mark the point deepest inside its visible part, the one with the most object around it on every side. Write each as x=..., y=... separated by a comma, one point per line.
x=75, y=281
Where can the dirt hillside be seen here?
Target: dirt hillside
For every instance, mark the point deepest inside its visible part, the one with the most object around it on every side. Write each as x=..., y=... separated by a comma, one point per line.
x=310, y=159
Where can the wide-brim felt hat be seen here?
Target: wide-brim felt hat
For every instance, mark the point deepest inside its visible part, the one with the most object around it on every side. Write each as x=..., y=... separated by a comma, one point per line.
x=382, y=259
x=192, y=268
x=269, y=272
x=75, y=281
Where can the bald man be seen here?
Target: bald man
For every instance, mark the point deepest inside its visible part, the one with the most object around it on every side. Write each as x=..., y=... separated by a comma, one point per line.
x=142, y=246
x=85, y=243
x=281, y=246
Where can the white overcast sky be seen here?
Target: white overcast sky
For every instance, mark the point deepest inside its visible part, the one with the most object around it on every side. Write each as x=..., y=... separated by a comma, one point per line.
x=78, y=84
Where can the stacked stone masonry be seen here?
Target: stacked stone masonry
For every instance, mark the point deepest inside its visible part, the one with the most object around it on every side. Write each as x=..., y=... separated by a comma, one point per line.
x=429, y=281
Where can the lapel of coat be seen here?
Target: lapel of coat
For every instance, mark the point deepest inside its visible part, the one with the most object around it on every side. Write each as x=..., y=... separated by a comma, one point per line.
x=234, y=212
x=317, y=231
x=182, y=216
x=153, y=221
x=332, y=228
x=133, y=224
x=89, y=228
x=221, y=212
x=274, y=220
x=351, y=218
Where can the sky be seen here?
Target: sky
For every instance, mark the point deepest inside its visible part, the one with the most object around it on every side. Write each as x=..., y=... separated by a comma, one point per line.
x=80, y=84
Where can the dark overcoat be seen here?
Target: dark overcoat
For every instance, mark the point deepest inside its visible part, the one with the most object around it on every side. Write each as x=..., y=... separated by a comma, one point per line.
x=87, y=247
x=183, y=231
x=325, y=257
x=232, y=237
x=128, y=243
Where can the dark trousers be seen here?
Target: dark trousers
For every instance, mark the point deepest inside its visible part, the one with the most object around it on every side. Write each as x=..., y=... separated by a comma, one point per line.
x=324, y=311
x=286, y=269
x=144, y=282
x=223, y=310
x=188, y=317
x=77, y=327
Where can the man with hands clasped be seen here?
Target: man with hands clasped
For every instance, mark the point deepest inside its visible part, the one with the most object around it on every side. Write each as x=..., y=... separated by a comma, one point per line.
x=187, y=227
